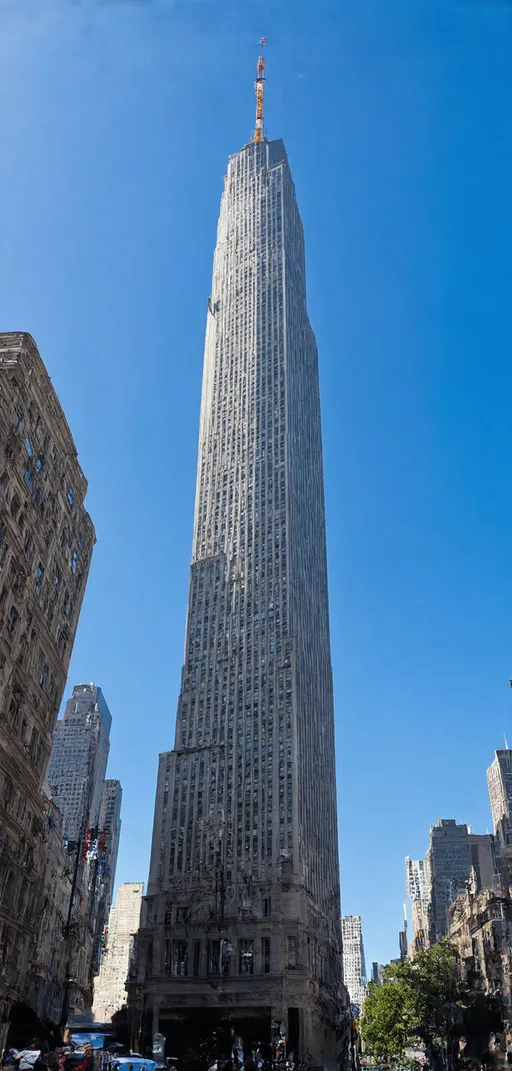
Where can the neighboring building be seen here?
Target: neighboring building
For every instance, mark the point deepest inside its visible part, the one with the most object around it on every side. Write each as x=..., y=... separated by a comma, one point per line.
x=354, y=970
x=499, y=780
x=90, y=806
x=110, y=826
x=449, y=866
x=46, y=542
x=78, y=760
x=483, y=859
x=53, y=957
x=377, y=973
x=123, y=924
x=480, y=927
x=243, y=906
x=417, y=884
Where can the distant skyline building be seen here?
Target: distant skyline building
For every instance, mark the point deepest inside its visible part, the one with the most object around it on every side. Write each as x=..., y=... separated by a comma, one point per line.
x=110, y=828
x=417, y=884
x=448, y=864
x=78, y=760
x=110, y=825
x=499, y=781
x=243, y=922
x=123, y=924
x=354, y=969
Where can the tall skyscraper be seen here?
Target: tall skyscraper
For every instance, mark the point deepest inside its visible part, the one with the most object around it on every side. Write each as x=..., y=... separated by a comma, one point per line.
x=123, y=925
x=109, y=823
x=78, y=761
x=243, y=925
x=448, y=865
x=354, y=969
x=46, y=543
x=499, y=780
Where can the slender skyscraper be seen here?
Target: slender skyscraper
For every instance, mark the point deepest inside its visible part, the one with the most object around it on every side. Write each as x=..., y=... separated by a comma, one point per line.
x=243, y=907
x=354, y=969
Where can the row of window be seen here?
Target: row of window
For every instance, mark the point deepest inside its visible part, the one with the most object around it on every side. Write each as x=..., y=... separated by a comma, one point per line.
x=220, y=957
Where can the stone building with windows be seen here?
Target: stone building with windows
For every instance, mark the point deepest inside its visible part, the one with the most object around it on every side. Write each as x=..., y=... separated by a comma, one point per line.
x=123, y=925
x=46, y=542
x=110, y=827
x=242, y=935
x=480, y=928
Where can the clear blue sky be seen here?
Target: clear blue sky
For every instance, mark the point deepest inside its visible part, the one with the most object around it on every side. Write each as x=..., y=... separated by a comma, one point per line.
x=116, y=120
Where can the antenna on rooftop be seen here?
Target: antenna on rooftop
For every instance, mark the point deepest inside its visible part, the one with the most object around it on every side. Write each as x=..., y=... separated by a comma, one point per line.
x=259, y=88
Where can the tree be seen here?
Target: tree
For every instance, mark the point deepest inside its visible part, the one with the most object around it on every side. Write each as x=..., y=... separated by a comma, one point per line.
x=423, y=1001
x=383, y=1026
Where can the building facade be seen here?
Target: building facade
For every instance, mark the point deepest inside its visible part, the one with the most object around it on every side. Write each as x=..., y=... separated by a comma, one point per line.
x=110, y=826
x=243, y=908
x=354, y=969
x=123, y=924
x=448, y=866
x=480, y=928
x=78, y=761
x=499, y=781
x=46, y=542
x=54, y=957
x=417, y=885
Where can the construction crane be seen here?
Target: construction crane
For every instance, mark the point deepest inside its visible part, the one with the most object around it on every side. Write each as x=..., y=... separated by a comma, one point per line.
x=259, y=88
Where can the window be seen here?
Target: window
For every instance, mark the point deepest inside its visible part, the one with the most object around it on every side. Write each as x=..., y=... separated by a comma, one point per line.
x=267, y=906
x=196, y=959
x=265, y=955
x=213, y=957
x=246, y=957
x=180, y=959
x=291, y=952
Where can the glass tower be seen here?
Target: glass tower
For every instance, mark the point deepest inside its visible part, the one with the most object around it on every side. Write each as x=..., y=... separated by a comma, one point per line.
x=243, y=906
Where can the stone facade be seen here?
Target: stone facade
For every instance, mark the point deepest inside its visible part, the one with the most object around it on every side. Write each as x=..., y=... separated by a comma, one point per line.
x=46, y=975
x=123, y=925
x=480, y=928
x=46, y=542
x=242, y=929
x=110, y=826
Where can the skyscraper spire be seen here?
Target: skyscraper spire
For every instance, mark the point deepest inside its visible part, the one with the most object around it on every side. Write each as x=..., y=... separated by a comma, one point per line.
x=259, y=88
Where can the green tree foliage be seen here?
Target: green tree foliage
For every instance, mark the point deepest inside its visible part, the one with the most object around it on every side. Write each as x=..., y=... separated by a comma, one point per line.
x=423, y=1001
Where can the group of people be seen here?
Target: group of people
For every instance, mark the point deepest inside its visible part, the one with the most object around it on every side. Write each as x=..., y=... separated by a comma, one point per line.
x=40, y=1056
